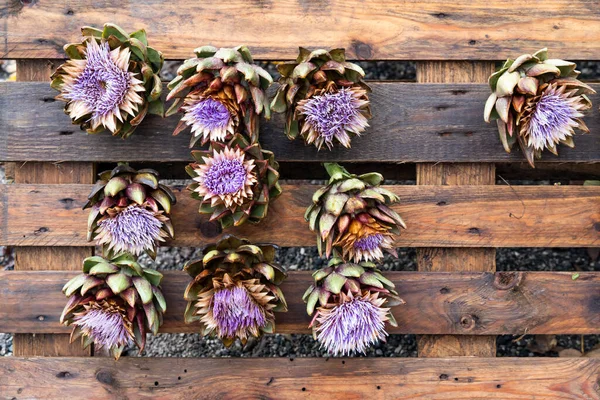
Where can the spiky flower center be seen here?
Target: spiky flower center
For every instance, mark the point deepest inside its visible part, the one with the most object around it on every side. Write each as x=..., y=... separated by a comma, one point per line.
x=331, y=114
x=210, y=113
x=353, y=325
x=552, y=120
x=105, y=325
x=369, y=243
x=234, y=311
x=225, y=176
x=134, y=230
x=103, y=85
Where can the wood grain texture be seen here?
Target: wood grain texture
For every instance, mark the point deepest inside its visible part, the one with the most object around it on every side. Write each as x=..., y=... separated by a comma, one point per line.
x=39, y=258
x=301, y=378
x=457, y=303
x=437, y=216
x=455, y=259
x=411, y=123
x=370, y=29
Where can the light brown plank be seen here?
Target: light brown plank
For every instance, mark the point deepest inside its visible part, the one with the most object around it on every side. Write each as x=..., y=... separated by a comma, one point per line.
x=309, y=378
x=369, y=29
x=411, y=123
x=458, y=303
x=455, y=259
x=437, y=216
x=39, y=258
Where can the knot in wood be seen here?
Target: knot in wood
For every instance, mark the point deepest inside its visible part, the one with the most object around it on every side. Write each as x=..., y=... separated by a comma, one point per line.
x=210, y=229
x=467, y=322
x=507, y=280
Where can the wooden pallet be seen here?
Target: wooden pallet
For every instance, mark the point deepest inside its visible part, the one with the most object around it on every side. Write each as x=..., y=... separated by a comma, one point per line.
x=431, y=132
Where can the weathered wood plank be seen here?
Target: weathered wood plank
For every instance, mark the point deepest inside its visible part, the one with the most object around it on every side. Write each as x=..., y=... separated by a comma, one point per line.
x=437, y=216
x=457, y=303
x=29, y=258
x=301, y=378
x=397, y=29
x=455, y=259
x=412, y=123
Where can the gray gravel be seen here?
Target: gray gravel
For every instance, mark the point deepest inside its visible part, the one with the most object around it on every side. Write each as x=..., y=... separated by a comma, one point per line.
x=192, y=345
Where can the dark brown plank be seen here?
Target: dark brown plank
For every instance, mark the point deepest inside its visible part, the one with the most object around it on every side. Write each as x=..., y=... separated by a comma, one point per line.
x=396, y=29
x=40, y=258
x=437, y=216
x=457, y=303
x=412, y=123
x=455, y=259
x=308, y=378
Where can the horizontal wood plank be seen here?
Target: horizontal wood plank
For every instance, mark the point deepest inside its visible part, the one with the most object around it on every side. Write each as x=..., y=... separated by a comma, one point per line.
x=458, y=303
x=301, y=378
x=437, y=216
x=411, y=123
x=369, y=29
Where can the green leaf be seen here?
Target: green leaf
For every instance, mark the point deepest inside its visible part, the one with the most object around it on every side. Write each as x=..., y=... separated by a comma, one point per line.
x=575, y=276
x=153, y=276
x=334, y=283
x=118, y=282
x=103, y=268
x=89, y=262
x=141, y=36
x=114, y=30
x=144, y=289
x=74, y=284
x=160, y=299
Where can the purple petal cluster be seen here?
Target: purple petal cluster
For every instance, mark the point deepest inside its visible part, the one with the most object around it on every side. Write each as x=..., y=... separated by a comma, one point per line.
x=369, y=243
x=553, y=120
x=351, y=326
x=133, y=230
x=235, y=311
x=102, y=85
x=210, y=114
x=107, y=328
x=332, y=115
x=225, y=176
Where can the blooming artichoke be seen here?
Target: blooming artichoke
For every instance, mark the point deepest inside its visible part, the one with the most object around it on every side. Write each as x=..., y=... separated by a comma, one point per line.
x=220, y=92
x=113, y=302
x=234, y=181
x=354, y=303
x=130, y=211
x=352, y=213
x=324, y=98
x=537, y=102
x=235, y=290
x=111, y=80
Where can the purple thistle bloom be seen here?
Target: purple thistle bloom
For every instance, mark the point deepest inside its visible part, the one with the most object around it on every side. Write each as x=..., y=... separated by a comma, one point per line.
x=553, y=119
x=369, y=243
x=209, y=118
x=100, y=86
x=352, y=326
x=235, y=311
x=332, y=115
x=133, y=230
x=225, y=176
x=107, y=328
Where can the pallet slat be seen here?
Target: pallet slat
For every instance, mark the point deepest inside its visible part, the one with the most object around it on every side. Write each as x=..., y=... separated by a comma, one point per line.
x=437, y=303
x=437, y=216
x=420, y=30
x=412, y=123
x=274, y=378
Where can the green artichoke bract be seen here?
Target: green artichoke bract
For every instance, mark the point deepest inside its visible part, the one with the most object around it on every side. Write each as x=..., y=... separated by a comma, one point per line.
x=114, y=302
x=235, y=290
x=351, y=304
x=130, y=211
x=537, y=102
x=324, y=98
x=235, y=181
x=352, y=213
x=220, y=92
x=111, y=80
